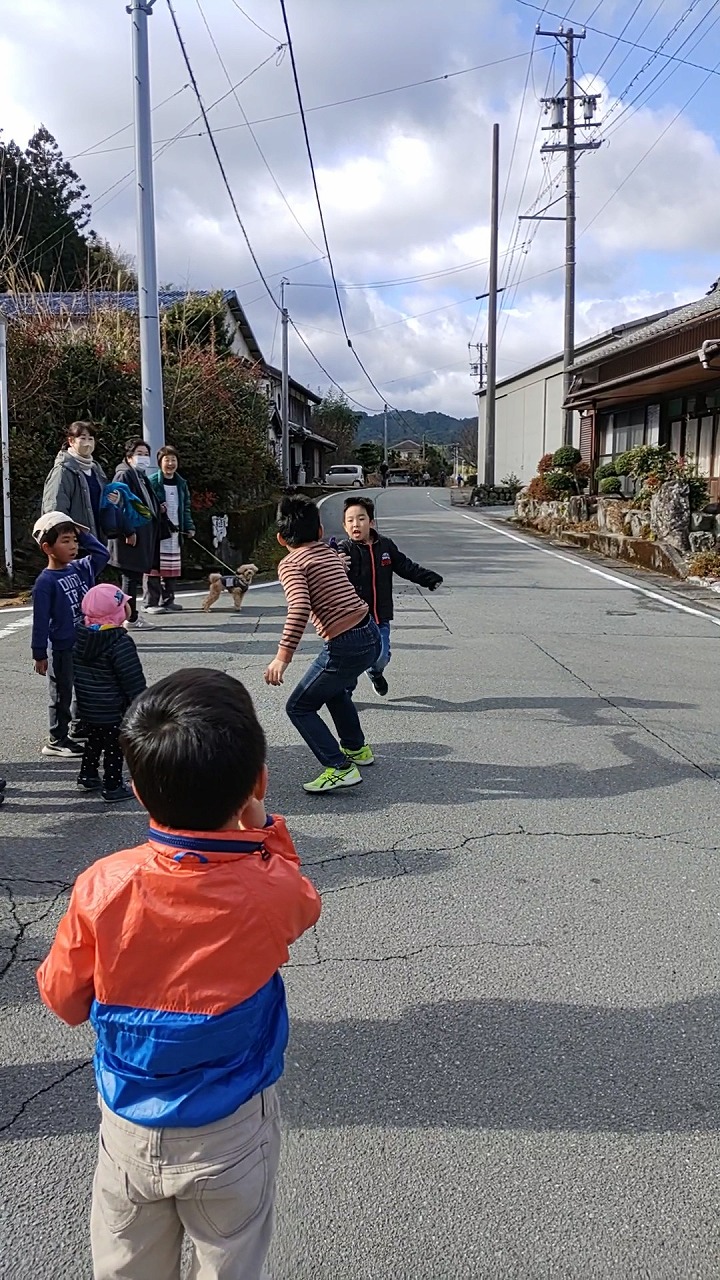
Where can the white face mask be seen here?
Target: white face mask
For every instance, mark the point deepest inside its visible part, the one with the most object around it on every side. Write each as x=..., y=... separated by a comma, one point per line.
x=141, y=462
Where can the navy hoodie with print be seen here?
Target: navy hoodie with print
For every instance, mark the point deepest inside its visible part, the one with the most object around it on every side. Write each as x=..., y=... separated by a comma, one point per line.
x=58, y=595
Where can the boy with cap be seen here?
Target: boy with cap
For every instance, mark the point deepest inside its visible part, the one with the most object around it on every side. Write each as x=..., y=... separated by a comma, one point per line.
x=57, y=598
x=108, y=677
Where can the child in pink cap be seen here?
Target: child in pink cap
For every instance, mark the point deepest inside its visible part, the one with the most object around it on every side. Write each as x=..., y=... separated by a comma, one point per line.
x=108, y=677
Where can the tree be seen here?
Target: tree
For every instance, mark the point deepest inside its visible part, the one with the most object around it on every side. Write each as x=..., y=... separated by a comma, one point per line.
x=468, y=444
x=45, y=213
x=334, y=419
x=108, y=268
x=370, y=456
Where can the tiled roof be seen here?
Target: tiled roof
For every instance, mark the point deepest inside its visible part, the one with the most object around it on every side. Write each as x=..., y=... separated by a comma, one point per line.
x=84, y=303
x=667, y=323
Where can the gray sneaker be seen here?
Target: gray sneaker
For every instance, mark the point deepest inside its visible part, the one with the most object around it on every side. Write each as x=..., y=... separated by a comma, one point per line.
x=138, y=625
x=173, y=607
x=155, y=608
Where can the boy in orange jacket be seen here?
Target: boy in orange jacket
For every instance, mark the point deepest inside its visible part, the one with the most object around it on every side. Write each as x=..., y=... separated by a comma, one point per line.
x=173, y=951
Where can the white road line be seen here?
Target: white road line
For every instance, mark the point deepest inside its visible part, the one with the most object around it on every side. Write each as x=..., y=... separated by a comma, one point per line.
x=12, y=627
x=599, y=573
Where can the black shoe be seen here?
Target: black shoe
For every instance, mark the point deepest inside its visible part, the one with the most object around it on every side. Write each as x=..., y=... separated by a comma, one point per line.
x=3, y=784
x=120, y=793
x=66, y=748
x=380, y=685
x=92, y=783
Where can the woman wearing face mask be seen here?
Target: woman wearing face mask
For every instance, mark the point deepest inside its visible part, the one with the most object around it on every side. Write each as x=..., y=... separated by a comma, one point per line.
x=176, y=522
x=75, y=484
x=136, y=551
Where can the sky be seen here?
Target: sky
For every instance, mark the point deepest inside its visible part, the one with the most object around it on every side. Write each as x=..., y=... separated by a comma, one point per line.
x=403, y=170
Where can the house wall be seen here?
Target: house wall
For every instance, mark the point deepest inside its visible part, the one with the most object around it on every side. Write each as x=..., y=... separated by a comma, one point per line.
x=239, y=345
x=528, y=421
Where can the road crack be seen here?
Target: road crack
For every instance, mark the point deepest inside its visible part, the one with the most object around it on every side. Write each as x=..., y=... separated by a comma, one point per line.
x=79, y=1066
x=532, y=943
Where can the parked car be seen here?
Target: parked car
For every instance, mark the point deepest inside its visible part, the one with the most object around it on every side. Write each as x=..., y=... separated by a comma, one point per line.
x=346, y=476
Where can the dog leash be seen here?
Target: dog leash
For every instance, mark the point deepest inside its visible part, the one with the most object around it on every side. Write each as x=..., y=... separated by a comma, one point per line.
x=214, y=557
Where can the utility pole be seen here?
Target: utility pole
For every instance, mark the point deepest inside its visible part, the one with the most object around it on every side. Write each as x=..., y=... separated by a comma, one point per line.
x=562, y=111
x=385, y=443
x=285, y=387
x=5, y=438
x=489, y=471
x=153, y=414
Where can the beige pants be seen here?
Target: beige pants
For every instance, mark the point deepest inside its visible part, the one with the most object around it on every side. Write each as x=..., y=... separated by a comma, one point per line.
x=216, y=1184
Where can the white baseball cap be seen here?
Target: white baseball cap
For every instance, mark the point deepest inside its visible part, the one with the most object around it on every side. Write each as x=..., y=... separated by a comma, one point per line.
x=51, y=520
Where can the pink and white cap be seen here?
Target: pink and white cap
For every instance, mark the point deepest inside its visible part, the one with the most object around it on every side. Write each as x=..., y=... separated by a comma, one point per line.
x=104, y=606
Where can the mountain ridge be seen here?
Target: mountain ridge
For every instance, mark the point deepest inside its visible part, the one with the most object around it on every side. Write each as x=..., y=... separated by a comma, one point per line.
x=438, y=428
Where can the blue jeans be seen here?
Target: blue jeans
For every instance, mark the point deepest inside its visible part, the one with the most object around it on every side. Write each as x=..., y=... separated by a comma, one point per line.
x=326, y=684
x=385, y=654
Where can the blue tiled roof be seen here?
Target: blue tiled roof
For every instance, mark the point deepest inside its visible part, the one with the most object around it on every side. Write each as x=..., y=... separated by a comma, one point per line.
x=83, y=303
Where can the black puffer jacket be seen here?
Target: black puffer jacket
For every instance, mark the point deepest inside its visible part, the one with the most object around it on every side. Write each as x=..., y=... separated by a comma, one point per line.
x=372, y=566
x=108, y=674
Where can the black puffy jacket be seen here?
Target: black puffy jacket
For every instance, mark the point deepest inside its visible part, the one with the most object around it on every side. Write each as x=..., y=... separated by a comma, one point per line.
x=372, y=566
x=108, y=674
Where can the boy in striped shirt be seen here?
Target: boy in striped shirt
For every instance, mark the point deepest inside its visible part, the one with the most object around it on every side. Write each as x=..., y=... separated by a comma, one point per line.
x=316, y=587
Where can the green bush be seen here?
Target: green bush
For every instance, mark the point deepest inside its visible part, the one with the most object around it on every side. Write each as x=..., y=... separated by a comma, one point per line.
x=610, y=485
x=645, y=460
x=559, y=483
x=566, y=457
x=606, y=471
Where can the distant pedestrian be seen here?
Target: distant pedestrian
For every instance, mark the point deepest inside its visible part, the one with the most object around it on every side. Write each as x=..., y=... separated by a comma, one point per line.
x=316, y=586
x=426, y=478
x=372, y=561
x=441, y=479
x=384, y=468
x=57, y=601
x=135, y=550
x=108, y=677
x=174, y=950
x=75, y=484
x=175, y=522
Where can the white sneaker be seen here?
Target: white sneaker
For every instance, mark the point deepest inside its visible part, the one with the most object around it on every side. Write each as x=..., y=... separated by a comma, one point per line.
x=155, y=608
x=138, y=625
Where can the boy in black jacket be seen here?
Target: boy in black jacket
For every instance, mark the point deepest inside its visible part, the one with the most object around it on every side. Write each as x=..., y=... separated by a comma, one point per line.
x=108, y=677
x=373, y=559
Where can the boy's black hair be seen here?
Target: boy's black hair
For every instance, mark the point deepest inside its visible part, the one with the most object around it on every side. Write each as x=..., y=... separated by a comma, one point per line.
x=367, y=504
x=194, y=747
x=298, y=520
x=50, y=538
x=132, y=444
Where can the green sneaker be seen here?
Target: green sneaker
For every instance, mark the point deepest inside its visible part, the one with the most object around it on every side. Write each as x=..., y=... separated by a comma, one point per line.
x=333, y=779
x=363, y=756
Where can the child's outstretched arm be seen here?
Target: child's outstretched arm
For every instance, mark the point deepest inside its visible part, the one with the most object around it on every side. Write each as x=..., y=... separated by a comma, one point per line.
x=404, y=567
x=297, y=594
x=66, y=977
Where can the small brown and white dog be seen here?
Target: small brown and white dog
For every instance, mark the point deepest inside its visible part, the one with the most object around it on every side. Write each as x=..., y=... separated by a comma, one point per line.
x=236, y=583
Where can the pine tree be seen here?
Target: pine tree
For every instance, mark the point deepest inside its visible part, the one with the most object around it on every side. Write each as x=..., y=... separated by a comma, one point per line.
x=56, y=249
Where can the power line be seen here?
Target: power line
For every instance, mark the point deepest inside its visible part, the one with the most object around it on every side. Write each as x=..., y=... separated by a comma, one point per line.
x=253, y=134
x=216, y=153
x=325, y=106
x=108, y=138
x=326, y=242
x=252, y=20
x=329, y=376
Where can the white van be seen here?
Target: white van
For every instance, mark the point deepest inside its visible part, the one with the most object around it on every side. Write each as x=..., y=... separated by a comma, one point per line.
x=346, y=476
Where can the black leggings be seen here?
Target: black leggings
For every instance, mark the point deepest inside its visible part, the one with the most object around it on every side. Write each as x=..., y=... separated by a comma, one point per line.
x=103, y=738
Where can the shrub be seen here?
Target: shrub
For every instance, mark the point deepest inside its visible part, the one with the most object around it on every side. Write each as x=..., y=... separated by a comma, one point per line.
x=644, y=460
x=546, y=463
x=581, y=472
x=539, y=490
x=705, y=564
x=606, y=471
x=566, y=457
x=610, y=485
x=559, y=483
x=511, y=481
x=470, y=482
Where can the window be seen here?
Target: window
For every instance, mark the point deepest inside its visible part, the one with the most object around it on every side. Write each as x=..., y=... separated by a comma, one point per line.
x=691, y=438
x=675, y=436
x=704, y=454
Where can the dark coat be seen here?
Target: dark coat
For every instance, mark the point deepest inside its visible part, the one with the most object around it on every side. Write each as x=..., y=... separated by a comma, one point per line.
x=157, y=481
x=372, y=566
x=107, y=674
x=145, y=555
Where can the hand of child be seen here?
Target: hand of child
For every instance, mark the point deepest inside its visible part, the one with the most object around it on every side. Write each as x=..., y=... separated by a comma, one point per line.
x=41, y=666
x=253, y=815
x=275, y=671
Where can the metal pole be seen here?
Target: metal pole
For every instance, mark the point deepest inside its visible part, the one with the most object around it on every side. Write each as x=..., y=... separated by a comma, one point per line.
x=385, y=443
x=285, y=388
x=569, y=352
x=150, y=356
x=5, y=438
x=489, y=475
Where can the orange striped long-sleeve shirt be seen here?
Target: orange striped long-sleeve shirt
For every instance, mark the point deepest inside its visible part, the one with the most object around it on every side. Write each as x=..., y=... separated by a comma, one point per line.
x=316, y=587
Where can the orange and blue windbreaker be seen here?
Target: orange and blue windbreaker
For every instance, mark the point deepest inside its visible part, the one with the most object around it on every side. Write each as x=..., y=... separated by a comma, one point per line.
x=173, y=951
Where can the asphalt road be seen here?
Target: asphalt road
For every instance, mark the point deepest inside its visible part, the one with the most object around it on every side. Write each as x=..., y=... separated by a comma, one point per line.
x=504, y=1056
